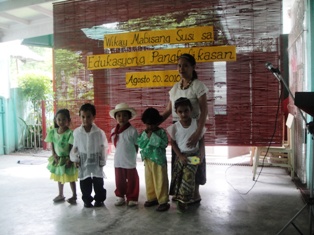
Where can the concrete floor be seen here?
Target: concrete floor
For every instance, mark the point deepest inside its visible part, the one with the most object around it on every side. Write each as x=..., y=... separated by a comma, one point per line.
x=227, y=206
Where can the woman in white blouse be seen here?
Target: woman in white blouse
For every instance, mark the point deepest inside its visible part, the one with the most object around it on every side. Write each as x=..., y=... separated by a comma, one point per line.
x=196, y=91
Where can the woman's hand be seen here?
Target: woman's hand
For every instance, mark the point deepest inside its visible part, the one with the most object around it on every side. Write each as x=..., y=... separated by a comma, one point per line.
x=167, y=112
x=193, y=140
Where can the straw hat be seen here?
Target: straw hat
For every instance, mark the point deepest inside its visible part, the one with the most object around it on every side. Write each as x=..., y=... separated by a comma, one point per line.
x=122, y=107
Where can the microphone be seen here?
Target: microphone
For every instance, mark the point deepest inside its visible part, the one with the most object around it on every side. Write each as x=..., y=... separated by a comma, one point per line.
x=271, y=68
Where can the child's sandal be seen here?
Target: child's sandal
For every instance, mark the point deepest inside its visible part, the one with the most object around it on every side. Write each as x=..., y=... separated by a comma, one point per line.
x=72, y=200
x=59, y=199
x=150, y=203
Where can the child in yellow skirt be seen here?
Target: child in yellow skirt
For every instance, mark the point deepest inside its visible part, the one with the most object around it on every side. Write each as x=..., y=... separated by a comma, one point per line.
x=59, y=164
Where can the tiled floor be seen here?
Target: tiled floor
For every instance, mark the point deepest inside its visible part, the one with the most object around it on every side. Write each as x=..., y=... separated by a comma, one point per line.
x=231, y=204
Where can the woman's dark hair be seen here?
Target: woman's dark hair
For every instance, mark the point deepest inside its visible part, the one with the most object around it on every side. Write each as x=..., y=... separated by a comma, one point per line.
x=65, y=112
x=182, y=101
x=88, y=107
x=191, y=60
x=151, y=116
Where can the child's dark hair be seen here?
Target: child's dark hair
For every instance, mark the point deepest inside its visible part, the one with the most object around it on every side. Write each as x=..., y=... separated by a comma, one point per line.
x=65, y=112
x=191, y=60
x=151, y=116
x=88, y=107
x=182, y=101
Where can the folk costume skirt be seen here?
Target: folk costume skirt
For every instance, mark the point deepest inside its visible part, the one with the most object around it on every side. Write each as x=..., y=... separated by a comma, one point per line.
x=60, y=171
x=182, y=184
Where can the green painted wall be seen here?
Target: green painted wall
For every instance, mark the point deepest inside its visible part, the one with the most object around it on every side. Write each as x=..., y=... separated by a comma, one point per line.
x=10, y=125
x=2, y=134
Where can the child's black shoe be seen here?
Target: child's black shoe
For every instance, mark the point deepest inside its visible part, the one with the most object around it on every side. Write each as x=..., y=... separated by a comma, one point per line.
x=88, y=205
x=163, y=207
x=98, y=204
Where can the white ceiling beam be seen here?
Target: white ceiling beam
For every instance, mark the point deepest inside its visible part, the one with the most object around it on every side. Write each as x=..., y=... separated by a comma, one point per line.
x=16, y=4
x=41, y=21
x=20, y=32
x=14, y=18
x=42, y=10
x=4, y=26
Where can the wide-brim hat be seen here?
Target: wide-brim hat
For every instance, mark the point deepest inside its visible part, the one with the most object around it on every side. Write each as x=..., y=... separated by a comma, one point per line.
x=122, y=107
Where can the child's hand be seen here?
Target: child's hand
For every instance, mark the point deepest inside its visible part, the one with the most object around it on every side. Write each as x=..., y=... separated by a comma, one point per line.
x=77, y=164
x=68, y=163
x=56, y=158
x=102, y=163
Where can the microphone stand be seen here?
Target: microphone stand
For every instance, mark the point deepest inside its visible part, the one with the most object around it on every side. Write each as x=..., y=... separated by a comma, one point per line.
x=277, y=74
x=310, y=126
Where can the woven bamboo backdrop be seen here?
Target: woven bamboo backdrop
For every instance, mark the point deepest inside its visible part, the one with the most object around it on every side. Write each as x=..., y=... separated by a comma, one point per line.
x=243, y=95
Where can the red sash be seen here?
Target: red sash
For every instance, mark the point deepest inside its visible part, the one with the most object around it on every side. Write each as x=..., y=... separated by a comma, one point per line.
x=119, y=130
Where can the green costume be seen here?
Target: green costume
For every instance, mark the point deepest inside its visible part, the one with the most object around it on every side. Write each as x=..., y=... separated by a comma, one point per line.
x=60, y=171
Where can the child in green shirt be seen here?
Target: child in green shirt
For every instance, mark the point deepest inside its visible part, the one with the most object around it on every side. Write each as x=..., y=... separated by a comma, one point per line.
x=153, y=142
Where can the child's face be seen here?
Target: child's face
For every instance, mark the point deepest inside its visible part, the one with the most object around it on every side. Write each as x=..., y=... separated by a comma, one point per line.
x=151, y=127
x=87, y=118
x=184, y=112
x=122, y=117
x=62, y=120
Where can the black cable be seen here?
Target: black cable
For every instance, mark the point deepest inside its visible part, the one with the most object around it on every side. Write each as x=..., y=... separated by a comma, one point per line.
x=271, y=140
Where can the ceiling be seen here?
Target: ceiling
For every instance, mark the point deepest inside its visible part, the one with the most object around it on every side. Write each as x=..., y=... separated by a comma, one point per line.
x=21, y=19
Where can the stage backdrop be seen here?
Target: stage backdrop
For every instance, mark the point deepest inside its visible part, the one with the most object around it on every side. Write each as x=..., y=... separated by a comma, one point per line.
x=107, y=52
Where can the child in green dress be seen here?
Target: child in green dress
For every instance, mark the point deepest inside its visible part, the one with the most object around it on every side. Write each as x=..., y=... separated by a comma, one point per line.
x=59, y=164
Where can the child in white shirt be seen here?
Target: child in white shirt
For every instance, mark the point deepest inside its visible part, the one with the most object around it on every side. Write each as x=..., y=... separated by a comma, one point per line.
x=90, y=153
x=182, y=185
x=124, y=137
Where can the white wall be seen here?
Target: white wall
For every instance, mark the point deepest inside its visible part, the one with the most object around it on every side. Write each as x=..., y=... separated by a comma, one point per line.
x=4, y=70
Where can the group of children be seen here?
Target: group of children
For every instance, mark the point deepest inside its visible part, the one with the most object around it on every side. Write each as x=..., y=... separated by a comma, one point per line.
x=83, y=153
